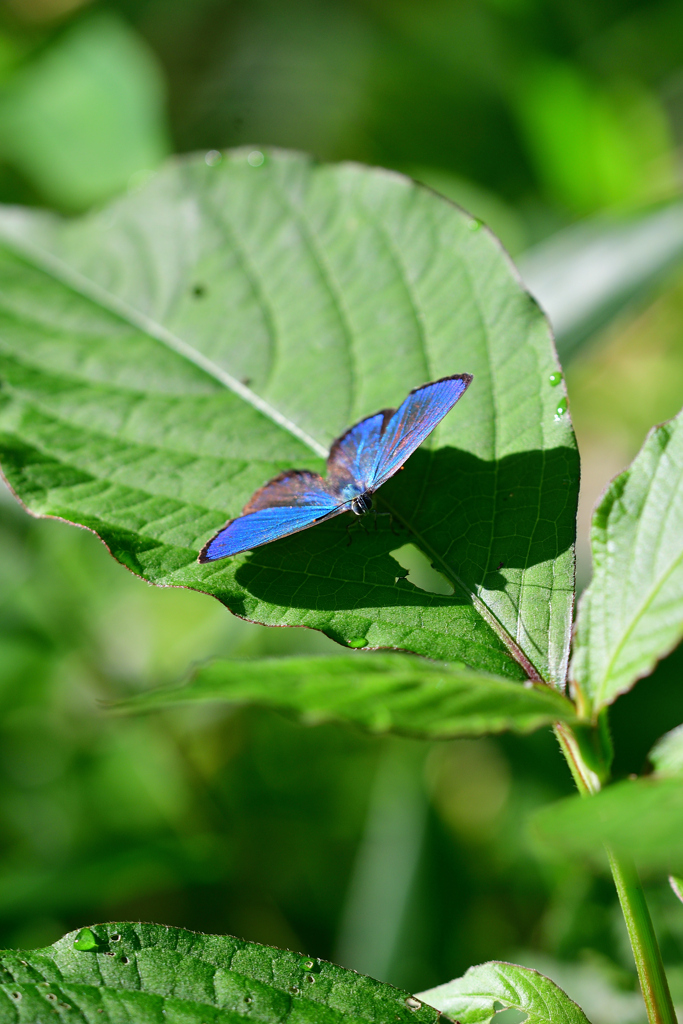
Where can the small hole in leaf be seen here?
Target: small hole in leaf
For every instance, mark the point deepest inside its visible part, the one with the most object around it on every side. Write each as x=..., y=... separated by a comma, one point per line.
x=511, y=1015
x=421, y=573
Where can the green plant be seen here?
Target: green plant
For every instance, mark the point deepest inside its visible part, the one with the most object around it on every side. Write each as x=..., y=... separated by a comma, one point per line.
x=163, y=357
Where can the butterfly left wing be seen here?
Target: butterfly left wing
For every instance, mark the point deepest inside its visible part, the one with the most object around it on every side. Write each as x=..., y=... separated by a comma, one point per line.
x=292, y=501
x=258, y=528
x=414, y=421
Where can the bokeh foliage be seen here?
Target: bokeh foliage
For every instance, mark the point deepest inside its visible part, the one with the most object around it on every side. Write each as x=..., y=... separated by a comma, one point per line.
x=532, y=113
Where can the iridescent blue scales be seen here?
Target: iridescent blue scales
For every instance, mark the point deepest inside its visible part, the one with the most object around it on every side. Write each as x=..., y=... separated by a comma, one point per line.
x=360, y=461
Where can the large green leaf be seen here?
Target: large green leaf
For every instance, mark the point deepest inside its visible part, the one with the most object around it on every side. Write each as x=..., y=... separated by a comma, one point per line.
x=632, y=613
x=488, y=988
x=163, y=358
x=146, y=972
x=643, y=818
x=383, y=693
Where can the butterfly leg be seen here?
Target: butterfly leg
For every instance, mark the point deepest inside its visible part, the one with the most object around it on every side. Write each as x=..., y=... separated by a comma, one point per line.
x=391, y=521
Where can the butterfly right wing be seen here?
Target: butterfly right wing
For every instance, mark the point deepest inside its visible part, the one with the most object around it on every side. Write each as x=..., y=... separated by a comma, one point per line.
x=293, y=501
x=354, y=455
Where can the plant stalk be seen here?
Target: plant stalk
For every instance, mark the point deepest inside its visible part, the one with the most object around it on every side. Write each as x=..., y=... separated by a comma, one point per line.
x=653, y=981
x=646, y=953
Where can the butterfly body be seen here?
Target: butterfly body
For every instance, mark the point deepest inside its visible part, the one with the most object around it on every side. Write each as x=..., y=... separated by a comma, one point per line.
x=362, y=504
x=360, y=461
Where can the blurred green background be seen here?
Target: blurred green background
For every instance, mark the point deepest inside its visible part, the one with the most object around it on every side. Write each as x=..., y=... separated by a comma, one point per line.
x=560, y=124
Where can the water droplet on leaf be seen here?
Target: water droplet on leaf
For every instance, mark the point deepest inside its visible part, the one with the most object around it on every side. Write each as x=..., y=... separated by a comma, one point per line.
x=213, y=157
x=359, y=641
x=474, y=224
x=255, y=158
x=555, y=379
x=561, y=407
x=85, y=940
x=412, y=1003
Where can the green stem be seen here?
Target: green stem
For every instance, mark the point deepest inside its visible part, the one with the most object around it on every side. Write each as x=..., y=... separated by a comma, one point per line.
x=653, y=982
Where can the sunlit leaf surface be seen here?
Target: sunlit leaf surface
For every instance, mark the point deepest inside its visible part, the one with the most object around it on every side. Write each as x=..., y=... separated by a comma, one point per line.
x=491, y=987
x=166, y=356
x=383, y=693
x=632, y=613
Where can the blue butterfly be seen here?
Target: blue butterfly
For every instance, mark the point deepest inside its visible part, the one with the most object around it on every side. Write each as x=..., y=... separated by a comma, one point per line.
x=360, y=461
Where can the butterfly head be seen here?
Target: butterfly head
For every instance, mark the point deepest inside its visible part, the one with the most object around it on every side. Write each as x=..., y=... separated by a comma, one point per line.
x=362, y=504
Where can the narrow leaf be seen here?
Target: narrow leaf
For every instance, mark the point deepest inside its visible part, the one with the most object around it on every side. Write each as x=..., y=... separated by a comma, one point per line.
x=641, y=817
x=383, y=693
x=146, y=972
x=491, y=987
x=677, y=886
x=586, y=274
x=632, y=613
x=163, y=358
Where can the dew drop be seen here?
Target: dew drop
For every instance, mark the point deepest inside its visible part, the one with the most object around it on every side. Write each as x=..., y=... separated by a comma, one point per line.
x=85, y=940
x=561, y=407
x=555, y=379
x=412, y=1003
x=474, y=224
x=213, y=157
x=52, y=997
x=294, y=989
x=310, y=979
x=115, y=937
x=359, y=641
x=308, y=965
x=249, y=999
x=125, y=960
x=256, y=158
x=16, y=995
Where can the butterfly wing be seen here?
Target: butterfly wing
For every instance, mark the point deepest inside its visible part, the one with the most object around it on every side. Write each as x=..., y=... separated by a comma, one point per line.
x=354, y=455
x=414, y=421
x=257, y=528
x=291, y=502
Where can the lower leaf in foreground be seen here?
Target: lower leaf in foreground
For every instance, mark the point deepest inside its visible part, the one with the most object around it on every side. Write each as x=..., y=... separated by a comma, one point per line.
x=144, y=972
x=380, y=692
x=485, y=990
